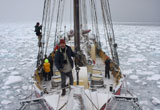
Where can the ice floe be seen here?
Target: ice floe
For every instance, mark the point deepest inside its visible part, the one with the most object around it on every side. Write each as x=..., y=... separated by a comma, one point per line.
x=4, y=70
x=154, y=77
x=15, y=73
x=8, y=92
x=25, y=87
x=138, y=81
x=140, y=72
x=11, y=68
x=143, y=102
x=11, y=97
x=128, y=83
x=158, y=82
x=5, y=87
x=126, y=72
x=133, y=77
x=144, y=83
x=3, y=51
x=155, y=101
x=18, y=90
x=22, y=63
x=13, y=79
x=5, y=102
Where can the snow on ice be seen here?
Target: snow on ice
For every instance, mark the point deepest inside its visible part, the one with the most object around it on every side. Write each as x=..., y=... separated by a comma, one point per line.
x=5, y=87
x=133, y=77
x=137, y=59
x=154, y=77
x=8, y=92
x=25, y=87
x=144, y=102
x=138, y=81
x=15, y=73
x=3, y=51
x=155, y=101
x=140, y=72
x=144, y=83
x=127, y=72
x=4, y=70
x=158, y=82
x=11, y=97
x=13, y=79
x=5, y=102
x=11, y=68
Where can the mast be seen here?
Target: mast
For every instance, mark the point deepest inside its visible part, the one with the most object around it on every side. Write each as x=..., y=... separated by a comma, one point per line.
x=76, y=34
x=76, y=26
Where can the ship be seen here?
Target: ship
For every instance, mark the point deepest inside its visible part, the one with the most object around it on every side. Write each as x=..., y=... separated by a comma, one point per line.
x=91, y=90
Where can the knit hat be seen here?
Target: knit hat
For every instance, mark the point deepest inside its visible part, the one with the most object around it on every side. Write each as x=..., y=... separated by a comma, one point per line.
x=46, y=61
x=107, y=57
x=62, y=41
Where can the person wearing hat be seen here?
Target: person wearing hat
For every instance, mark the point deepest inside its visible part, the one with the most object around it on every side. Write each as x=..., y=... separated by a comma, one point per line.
x=107, y=67
x=64, y=63
x=38, y=29
x=47, y=70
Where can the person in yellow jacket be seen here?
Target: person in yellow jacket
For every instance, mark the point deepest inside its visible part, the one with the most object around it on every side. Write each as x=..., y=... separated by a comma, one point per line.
x=47, y=70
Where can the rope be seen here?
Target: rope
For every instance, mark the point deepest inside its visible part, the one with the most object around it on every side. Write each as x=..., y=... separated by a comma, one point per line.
x=57, y=22
x=109, y=29
x=62, y=13
x=95, y=20
x=115, y=50
x=48, y=25
x=45, y=23
x=50, y=20
x=93, y=31
x=40, y=50
x=71, y=23
x=106, y=29
x=97, y=100
x=91, y=101
x=85, y=14
x=91, y=98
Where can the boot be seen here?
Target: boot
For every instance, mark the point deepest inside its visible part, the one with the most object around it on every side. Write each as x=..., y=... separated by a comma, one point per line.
x=63, y=92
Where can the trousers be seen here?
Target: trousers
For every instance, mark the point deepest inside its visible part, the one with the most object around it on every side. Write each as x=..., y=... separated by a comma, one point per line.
x=63, y=78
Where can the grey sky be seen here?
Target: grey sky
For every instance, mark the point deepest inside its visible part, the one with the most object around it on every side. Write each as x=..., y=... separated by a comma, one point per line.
x=135, y=10
x=122, y=10
x=20, y=10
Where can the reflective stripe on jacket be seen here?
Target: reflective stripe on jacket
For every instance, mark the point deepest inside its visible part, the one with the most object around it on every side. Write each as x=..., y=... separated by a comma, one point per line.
x=46, y=67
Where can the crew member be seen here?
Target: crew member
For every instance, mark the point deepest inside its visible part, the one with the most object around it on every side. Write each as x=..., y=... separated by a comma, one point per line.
x=107, y=67
x=64, y=63
x=47, y=70
x=38, y=29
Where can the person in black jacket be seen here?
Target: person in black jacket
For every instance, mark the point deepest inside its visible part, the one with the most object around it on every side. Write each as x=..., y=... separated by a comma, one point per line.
x=50, y=58
x=107, y=67
x=38, y=29
x=64, y=63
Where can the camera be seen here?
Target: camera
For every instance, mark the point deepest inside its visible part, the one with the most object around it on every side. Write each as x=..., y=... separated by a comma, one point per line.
x=65, y=61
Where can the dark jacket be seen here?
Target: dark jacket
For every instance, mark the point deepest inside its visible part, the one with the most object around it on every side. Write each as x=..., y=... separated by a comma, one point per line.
x=107, y=64
x=50, y=60
x=38, y=30
x=59, y=58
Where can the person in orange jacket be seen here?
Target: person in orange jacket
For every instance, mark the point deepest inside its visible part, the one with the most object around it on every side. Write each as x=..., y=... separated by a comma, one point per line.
x=47, y=70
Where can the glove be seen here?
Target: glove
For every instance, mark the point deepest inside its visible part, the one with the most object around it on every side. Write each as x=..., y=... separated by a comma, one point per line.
x=61, y=70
